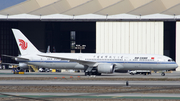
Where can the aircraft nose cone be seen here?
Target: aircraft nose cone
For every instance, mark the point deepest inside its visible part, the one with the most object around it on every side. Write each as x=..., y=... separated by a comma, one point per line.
x=176, y=65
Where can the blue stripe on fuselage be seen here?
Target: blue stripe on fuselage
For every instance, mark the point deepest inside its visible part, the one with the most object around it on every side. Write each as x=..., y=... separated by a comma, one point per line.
x=140, y=62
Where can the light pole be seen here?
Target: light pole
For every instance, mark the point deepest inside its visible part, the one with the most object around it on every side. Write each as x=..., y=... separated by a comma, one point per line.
x=80, y=47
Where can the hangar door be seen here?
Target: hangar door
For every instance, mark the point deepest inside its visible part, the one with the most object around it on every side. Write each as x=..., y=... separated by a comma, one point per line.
x=129, y=37
x=178, y=44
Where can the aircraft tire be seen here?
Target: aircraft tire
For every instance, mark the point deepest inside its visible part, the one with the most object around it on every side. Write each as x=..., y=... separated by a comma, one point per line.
x=90, y=73
x=86, y=73
x=162, y=74
x=98, y=74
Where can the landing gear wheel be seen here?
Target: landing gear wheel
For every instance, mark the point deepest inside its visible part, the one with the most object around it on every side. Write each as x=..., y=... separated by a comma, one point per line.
x=98, y=74
x=86, y=73
x=162, y=74
x=132, y=73
x=90, y=73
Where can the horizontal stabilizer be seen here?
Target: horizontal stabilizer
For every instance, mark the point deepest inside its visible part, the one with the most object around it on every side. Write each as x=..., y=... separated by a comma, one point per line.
x=9, y=63
x=15, y=57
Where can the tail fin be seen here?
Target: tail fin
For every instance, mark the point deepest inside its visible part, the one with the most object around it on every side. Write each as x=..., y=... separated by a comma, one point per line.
x=48, y=50
x=24, y=45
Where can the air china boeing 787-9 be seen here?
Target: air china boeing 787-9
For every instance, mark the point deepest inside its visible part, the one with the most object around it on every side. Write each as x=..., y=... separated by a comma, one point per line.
x=101, y=63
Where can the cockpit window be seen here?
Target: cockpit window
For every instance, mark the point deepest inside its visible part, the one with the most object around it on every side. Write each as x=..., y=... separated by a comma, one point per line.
x=169, y=59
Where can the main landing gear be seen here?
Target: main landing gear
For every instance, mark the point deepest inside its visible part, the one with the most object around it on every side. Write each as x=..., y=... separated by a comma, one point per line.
x=163, y=73
x=91, y=71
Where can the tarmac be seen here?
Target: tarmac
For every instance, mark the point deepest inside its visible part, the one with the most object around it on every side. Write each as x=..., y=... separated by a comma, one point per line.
x=89, y=83
x=94, y=95
x=8, y=73
x=100, y=96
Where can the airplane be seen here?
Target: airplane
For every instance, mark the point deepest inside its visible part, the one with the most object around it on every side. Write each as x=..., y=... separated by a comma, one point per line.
x=91, y=63
x=23, y=66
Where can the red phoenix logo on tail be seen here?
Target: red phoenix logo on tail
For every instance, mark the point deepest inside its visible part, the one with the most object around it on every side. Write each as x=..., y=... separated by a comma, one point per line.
x=23, y=44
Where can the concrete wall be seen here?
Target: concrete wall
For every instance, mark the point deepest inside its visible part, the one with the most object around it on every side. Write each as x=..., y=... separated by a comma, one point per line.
x=129, y=37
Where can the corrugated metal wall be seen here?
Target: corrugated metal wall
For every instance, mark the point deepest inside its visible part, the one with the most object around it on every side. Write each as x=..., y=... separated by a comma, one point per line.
x=178, y=44
x=129, y=37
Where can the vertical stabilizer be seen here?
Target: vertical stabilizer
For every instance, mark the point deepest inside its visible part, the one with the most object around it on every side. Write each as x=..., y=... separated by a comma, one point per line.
x=24, y=45
x=48, y=50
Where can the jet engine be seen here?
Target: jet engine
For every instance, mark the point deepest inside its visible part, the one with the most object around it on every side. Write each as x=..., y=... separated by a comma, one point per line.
x=22, y=66
x=105, y=68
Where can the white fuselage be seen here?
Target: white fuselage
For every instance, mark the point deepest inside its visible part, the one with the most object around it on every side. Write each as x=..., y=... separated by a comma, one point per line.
x=121, y=61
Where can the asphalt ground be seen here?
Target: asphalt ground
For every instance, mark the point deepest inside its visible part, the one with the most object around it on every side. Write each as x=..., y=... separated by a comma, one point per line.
x=77, y=87
x=89, y=93
x=89, y=83
x=8, y=73
x=82, y=96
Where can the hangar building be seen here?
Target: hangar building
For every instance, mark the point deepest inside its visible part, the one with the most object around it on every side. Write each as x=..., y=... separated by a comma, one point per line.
x=104, y=26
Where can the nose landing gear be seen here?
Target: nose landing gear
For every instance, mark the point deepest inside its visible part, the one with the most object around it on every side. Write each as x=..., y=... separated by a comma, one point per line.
x=162, y=74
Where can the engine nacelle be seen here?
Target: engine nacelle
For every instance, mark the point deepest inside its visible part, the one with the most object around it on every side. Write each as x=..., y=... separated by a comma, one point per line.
x=22, y=66
x=105, y=68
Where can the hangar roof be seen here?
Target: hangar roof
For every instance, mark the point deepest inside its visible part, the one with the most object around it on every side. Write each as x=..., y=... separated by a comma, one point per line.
x=90, y=9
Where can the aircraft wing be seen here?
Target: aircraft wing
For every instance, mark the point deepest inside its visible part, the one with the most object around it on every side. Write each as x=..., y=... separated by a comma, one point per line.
x=16, y=57
x=83, y=62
